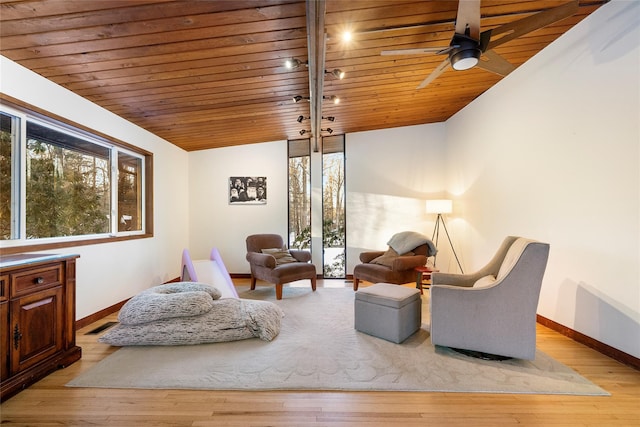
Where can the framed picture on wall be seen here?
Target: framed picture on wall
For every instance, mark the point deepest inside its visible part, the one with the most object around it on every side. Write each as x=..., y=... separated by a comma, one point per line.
x=248, y=190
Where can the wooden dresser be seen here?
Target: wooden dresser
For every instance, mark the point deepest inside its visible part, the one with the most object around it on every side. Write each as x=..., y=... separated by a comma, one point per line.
x=37, y=318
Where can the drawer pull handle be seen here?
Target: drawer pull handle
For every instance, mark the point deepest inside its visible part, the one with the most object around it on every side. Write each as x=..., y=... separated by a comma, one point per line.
x=39, y=280
x=17, y=336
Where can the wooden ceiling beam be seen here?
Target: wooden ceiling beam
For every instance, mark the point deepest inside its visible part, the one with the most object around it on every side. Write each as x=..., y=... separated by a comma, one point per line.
x=316, y=45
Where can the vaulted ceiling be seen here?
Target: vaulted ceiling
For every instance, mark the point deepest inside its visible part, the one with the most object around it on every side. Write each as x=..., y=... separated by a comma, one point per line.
x=206, y=74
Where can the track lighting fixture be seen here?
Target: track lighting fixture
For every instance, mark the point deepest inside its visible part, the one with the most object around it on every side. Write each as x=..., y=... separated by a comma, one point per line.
x=327, y=130
x=301, y=118
x=337, y=73
x=293, y=63
x=333, y=98
x=330, y=118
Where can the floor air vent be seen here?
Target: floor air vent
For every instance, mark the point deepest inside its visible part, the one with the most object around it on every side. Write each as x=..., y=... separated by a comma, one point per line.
x=101, y=328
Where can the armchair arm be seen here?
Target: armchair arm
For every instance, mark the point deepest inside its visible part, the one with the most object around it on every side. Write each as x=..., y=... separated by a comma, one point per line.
x=408, y=262
x=300, y=255
x=263, y=260
x=367, y=257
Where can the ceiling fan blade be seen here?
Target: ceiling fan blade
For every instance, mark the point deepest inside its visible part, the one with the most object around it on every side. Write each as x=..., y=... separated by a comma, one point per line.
x=416, y=51
x=485, y=38
x=435, y=73
x=531, y=23
x=468, y=17
x=495, y=63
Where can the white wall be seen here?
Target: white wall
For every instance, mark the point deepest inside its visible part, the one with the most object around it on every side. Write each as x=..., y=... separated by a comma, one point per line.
x=213, y=221
x=112, y=272
x=389, y=175
x=552, y=153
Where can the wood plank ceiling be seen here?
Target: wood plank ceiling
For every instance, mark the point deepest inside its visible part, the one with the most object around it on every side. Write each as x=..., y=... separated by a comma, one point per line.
x=206, y=74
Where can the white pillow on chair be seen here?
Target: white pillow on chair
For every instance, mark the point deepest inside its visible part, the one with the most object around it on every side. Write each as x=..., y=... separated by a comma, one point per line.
x=485, y=282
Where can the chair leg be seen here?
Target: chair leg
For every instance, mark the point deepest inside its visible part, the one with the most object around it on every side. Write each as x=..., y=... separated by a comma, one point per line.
x=355, y=283
x=313, y=283
x=278, y=290
x=253, y=283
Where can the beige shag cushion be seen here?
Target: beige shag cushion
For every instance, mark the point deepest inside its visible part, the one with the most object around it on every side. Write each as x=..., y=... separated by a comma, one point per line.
x=227, y=319
x=168, y=301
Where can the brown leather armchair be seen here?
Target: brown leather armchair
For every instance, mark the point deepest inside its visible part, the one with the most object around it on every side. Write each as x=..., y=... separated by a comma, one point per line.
x=272, y=262
x=391, y=267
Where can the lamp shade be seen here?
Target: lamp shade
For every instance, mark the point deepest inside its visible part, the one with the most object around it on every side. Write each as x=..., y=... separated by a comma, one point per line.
x=439, y=206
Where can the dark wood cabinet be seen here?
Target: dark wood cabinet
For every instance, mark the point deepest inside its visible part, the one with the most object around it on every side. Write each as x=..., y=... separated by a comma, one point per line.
x=37, y=308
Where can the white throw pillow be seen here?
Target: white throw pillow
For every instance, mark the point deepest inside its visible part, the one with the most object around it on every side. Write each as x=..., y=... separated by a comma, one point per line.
x=485, y=282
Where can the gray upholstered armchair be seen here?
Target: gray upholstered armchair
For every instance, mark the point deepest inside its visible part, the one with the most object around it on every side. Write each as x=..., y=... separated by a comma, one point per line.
x=407, y=250
x=492, y=311
x=271, y=261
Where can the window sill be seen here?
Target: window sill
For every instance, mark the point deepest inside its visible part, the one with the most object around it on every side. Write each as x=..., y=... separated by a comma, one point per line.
x=58, y=245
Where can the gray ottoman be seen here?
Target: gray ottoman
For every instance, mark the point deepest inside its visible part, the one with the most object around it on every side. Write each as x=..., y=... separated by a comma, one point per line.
x=387, y=311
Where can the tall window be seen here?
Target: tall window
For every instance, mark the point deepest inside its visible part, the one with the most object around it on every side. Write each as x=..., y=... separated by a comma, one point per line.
x=72, y=185
x=300, y=194
x=130, y=191
x=9, y=165
x=333, y=207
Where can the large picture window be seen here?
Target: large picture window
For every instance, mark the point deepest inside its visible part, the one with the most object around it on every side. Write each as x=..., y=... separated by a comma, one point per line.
x=64, y=184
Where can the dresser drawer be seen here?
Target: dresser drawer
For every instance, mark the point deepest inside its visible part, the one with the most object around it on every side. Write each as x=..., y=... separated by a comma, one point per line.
x=35, y=279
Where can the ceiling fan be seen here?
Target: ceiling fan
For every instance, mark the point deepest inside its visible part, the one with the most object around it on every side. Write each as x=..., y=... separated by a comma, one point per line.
x=468, y=43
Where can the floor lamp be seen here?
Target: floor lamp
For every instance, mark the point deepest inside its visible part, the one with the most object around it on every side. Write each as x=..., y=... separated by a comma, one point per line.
x=440, y=207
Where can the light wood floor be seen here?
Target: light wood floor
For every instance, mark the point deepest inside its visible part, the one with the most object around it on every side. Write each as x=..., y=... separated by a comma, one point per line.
x=50, y=403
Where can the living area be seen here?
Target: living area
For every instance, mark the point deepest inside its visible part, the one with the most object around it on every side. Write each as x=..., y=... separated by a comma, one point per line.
x=550, y=153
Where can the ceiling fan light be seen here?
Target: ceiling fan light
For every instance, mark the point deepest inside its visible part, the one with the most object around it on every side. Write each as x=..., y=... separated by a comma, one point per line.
x=465, y=59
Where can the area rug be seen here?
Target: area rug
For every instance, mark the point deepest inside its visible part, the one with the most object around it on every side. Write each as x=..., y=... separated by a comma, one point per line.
x=319, y=349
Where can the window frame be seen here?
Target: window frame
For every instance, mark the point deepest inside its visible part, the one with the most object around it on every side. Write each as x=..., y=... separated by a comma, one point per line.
x=26, y=112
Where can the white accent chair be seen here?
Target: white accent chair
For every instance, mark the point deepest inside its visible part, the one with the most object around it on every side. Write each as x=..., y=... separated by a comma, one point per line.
x=492, y=311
